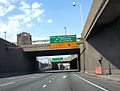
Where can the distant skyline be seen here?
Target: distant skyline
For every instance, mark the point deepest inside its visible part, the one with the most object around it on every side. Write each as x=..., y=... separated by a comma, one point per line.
x=41, y=18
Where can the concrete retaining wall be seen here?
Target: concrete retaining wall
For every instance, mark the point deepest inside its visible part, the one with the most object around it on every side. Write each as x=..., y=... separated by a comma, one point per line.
x=12, y=60
x=104, y=46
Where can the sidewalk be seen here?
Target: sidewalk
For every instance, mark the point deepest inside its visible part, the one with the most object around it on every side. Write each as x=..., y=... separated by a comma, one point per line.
x=110, y=77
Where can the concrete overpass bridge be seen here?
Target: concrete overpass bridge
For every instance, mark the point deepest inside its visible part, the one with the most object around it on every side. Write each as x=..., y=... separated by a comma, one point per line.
x=47, y=51
x=101, y=34
x=43, y=49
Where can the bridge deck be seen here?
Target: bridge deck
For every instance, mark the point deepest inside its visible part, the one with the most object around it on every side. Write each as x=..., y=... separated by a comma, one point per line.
x=102, y=12
x=50, y=51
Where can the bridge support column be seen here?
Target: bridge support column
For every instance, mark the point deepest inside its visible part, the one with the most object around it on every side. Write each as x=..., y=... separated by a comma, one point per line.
x=79, y=67
x=74, y=64
x=54, y=66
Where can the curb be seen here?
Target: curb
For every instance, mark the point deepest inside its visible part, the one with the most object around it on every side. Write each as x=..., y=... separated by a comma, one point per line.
x=106, y=76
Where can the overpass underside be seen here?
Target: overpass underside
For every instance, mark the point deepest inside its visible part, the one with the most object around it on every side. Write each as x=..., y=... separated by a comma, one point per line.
x=101, y=48
x=51, y=52
x=73, y=63
x=56, y=51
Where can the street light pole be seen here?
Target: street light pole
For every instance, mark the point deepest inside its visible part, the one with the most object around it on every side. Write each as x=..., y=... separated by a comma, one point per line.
x=81, y=15
x=5, y=35
x=65, y=30
x=74, y=4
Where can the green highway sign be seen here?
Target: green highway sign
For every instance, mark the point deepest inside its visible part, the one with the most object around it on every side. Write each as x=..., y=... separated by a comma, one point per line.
x=72, y=55
x=76, y=46
x=57, y=59
x=63, y=38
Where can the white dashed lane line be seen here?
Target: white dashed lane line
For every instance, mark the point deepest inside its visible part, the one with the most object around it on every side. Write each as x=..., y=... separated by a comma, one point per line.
x=64, y=76
x=49, y=81
x=53, y=78
x=11, y=78
x=7, y=84
x=33, y=77
x=44, y=86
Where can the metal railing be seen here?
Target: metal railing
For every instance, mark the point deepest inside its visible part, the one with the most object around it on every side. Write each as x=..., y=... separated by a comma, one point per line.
x=36, y=44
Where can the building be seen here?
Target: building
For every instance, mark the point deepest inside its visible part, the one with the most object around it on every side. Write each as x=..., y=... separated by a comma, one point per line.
x=24, y=39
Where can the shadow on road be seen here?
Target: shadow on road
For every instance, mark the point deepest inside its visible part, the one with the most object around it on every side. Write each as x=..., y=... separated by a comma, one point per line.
x=59, y=71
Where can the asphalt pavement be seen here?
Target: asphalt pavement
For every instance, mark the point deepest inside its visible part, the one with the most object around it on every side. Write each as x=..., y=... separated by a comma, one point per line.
x=63, y=81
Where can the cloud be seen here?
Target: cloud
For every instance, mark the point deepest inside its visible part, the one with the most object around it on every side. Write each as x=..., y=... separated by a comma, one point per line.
x=49, y=21
x=31, y=12
x=10, y=8
x=3, y=27
x=4, y=1
x=37, y=12
x=4, y=11
x=39, y=19
x=27, y=11
x=24, y=6
x=17, y=17
x=15, y=23
x=7, y=2
x=27, y=19
x=11, y=29
x=35, y=5
x=30, y=25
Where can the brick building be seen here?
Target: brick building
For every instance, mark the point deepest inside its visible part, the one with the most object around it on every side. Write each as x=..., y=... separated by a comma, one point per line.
x=24, y=39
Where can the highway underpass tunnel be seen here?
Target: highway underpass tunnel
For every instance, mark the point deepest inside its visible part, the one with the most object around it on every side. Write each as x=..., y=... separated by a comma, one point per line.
x=58, y=63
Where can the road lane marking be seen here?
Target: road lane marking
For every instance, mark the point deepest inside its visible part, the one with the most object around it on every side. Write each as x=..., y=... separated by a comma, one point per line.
x=33, y=77
x=44, y=86
x=91, y=83
x=7, y=84
x=64, y=76
x=11, y=78
x=49, y=81
x=22, y=79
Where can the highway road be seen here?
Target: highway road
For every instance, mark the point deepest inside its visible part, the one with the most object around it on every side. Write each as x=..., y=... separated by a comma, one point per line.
x=64, y=81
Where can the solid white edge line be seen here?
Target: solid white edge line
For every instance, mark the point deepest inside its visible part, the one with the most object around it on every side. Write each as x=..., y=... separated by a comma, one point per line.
x=91, y=83
x=7, y=84
x=33, y=77
x=11, y=78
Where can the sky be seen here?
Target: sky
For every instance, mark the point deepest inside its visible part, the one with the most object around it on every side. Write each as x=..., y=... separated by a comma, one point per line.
x=41, y=18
